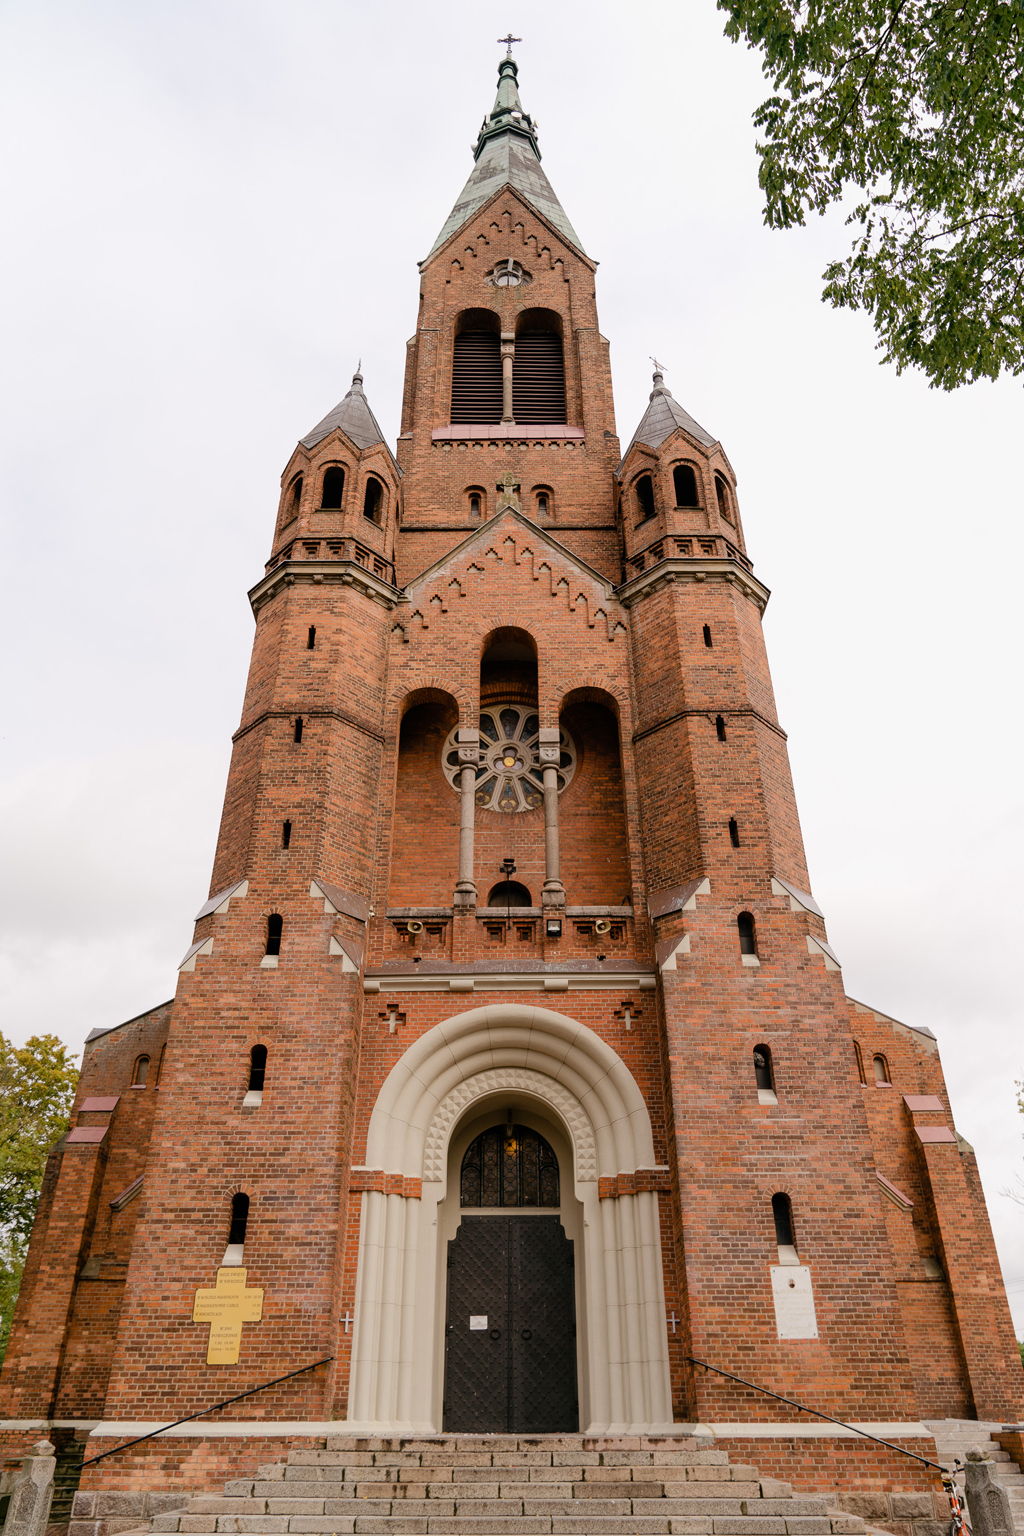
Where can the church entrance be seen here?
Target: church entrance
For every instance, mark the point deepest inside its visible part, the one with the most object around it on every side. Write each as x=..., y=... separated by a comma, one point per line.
x=510, y=1327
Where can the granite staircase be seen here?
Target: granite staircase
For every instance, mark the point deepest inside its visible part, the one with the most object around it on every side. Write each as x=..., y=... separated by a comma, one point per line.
x=955, y=1437
x=487, y=1485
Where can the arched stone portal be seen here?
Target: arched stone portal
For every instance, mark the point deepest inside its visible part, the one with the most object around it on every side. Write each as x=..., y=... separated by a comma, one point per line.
x=563, y=1074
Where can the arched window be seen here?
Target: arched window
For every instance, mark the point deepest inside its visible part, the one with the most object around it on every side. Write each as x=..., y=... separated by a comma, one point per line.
x=373, y=499
x=476, y=368
x=881, y=1069
x=257, y=1068
x=724, y=499
x=509, y=893
x=543, y=500
x=859, y=1057
x=538, y=373
x=509, y=1165
x=237, y=1229
x=782, y=1211
x=140, y=1072
x=332, y=488
x=294, y=497
x=684, y=481
x=644, y=498
x=764, y=1074
x=477, y=501
x=747, y=933
x=275, y=928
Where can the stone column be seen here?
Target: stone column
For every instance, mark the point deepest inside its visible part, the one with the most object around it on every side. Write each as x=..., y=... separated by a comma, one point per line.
x=988, y=1503
x=31, y=1489
x=549, y=751
x=508, y=349
x=469, y=757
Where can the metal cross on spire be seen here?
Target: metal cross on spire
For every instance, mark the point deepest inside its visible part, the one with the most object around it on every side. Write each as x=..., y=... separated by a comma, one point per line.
x=508, y=41
x=658, y=367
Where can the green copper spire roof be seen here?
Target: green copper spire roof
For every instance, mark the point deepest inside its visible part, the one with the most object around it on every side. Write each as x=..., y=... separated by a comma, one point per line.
x=506, y=154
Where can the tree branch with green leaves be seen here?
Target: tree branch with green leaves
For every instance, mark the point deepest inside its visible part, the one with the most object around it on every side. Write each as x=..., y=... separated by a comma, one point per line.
x=908, y=114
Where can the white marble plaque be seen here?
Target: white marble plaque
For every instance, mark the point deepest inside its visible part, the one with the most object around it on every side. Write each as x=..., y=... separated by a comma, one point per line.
x=794, y=1302
x=477, y=1324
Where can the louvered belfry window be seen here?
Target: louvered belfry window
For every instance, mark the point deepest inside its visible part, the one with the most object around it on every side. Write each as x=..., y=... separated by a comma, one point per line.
x=539, y=371
x=476, y=369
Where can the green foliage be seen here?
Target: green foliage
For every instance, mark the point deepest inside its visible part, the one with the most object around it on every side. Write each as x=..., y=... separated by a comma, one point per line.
x=37, y=1089
x=913, y=111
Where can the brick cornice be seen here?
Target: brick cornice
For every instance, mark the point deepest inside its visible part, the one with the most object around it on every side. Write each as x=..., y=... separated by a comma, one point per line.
x=308, y=714
x=666, y=571
x=346, y=573
x=709, y=714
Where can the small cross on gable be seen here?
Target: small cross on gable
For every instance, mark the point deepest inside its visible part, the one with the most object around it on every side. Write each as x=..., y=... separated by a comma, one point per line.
x=628, y=1012
x=226, y=1306
x=392, y=1018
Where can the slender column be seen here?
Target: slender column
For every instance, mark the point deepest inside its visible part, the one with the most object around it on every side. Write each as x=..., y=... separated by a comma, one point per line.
x=508, y=348
x=549, y=751
x=469, y=757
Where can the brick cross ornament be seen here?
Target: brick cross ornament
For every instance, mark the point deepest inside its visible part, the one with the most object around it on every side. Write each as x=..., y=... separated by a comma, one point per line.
x=226, y=1307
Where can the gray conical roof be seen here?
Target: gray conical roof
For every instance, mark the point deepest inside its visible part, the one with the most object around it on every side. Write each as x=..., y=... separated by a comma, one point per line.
x=663, y=416
x=506, y=154
x=353, y=416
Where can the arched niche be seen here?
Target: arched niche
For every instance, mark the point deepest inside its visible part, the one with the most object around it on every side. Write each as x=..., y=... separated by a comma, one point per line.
x=583, y=1098
x=592, y=811
x=424, y=870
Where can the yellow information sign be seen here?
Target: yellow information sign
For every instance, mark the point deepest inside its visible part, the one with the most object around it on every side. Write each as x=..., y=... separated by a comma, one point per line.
x=226, y=1307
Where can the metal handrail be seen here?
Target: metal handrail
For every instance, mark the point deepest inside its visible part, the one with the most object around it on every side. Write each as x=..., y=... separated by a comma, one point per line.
x=203, y=1411
x=803, y=1408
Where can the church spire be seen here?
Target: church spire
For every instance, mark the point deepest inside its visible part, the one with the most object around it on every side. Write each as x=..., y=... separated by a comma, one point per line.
x=507, y=154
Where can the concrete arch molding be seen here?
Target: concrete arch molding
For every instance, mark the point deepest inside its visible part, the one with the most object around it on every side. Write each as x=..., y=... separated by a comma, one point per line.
x=567, y=1076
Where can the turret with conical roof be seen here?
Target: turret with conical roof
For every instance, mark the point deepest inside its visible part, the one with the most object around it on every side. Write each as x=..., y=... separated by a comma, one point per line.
x=676, y=480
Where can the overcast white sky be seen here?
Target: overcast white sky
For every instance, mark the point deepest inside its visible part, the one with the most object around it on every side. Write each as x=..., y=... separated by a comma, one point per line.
x=212, y=210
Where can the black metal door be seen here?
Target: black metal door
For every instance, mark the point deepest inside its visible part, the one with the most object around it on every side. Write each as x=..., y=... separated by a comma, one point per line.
x=510, y=1359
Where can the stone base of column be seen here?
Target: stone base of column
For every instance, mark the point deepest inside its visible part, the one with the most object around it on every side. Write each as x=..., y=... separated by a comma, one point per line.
x=465, y=894
x=553, y=894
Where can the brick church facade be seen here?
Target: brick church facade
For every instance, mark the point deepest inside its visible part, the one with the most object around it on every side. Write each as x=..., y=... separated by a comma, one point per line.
x=510, y=1072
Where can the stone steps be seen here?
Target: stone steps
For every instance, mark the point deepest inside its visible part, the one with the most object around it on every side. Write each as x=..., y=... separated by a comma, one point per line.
x=508, y=1486
x=955, y=1437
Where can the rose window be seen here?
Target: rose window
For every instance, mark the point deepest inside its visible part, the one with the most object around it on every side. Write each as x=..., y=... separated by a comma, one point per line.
x=510, y=776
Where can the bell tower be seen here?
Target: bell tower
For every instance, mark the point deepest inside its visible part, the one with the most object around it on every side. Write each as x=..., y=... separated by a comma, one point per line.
x=510, y=1046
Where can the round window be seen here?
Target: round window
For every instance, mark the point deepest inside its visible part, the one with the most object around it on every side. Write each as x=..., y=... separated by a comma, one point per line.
x=510, y=776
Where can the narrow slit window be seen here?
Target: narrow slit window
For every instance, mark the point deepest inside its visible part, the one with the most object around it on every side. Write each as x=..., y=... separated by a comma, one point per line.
x=333, y=489
x=257, y=1068
x=859, y=1058
x=275, y=928
x=239, y=1220
x=296, y=497
x=286, y=834
x=734, y=832
x=782, y=1212
x=644, y=498
x=373, y=500
x=707, y=636
x=881, y=1069
x=475, y=503
x=747, y=933
x=764, y=1074
x=720, y=727
x=140, y=1072
x=724, y=499
x=298, y=728
x=684, y=482
x=311, y=638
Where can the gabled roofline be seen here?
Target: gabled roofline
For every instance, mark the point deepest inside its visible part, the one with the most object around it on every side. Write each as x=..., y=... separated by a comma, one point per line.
x=535, y=531
x=358, y=453
x=508, y=187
